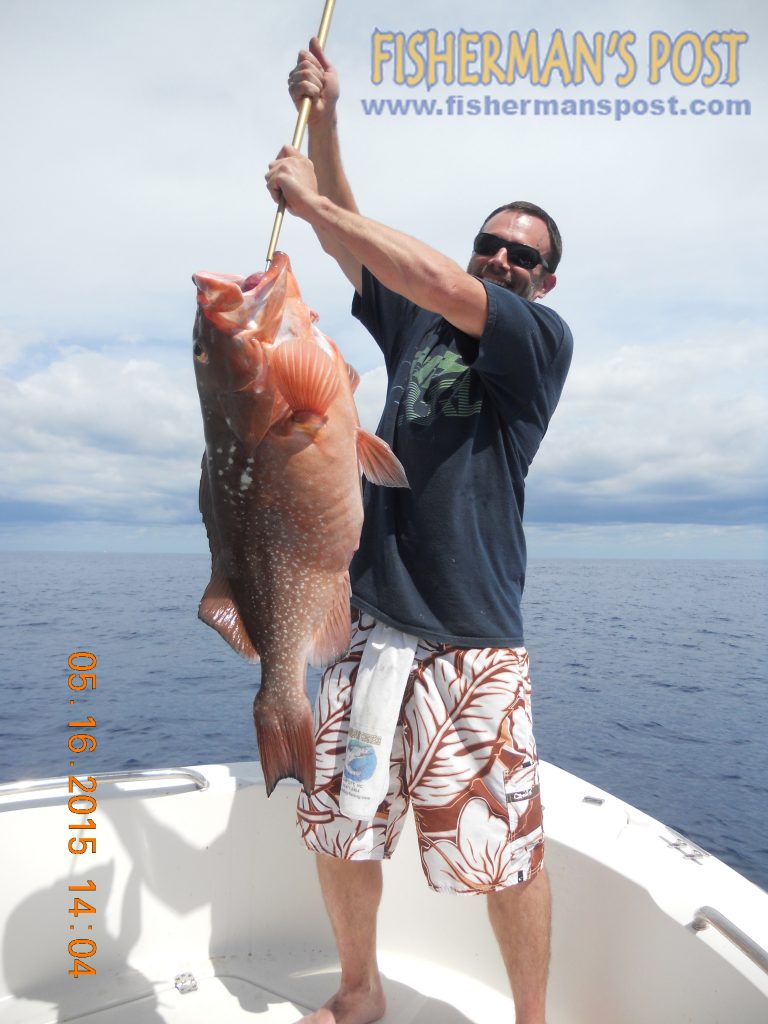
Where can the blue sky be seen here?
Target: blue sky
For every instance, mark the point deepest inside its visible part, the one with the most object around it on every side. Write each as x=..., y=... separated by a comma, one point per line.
x=135, y=148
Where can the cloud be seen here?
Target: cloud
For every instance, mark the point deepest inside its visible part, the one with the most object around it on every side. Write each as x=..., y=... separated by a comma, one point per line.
x=669, y=431
x=102, y=433
x=370, y=396
x=15, y=345
x=645, y=540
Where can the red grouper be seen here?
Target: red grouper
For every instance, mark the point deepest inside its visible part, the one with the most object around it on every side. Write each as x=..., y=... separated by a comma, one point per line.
x=280, y=494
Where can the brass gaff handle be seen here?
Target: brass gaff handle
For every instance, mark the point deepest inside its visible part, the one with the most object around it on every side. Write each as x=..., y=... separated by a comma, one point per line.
x=298, y=134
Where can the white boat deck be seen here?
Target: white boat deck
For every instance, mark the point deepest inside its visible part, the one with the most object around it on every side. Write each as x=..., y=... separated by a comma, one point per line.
x=216, y=884
x=224, y=993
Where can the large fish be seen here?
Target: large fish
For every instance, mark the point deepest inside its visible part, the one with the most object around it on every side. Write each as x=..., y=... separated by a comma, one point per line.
x=280, y=494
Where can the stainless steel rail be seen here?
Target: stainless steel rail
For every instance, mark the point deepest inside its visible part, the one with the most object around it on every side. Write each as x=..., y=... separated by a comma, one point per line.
x=710, y=916
x=138, y=775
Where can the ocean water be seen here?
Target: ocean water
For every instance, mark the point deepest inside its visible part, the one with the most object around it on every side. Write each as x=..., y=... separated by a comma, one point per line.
x=650, y=680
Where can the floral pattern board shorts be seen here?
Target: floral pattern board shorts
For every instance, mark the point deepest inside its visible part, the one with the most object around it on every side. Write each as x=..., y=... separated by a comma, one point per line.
x=463, y=755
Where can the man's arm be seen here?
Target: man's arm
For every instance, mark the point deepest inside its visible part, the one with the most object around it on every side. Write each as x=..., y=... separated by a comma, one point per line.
x=315, y=76
x=402, y=263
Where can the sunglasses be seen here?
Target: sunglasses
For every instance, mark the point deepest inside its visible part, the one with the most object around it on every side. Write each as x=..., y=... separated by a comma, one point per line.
x=519, y=255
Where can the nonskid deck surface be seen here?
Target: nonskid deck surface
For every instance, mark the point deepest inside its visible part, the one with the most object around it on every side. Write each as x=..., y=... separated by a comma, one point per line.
x=219, y=999
x=225, y=994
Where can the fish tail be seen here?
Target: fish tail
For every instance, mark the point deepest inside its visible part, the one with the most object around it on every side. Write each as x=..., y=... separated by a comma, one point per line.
x=286, y=740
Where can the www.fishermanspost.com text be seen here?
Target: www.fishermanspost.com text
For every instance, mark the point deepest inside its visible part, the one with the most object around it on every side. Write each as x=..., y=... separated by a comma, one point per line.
x=616, y=108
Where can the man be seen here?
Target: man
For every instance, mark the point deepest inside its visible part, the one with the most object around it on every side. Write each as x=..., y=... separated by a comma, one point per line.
x=475, y=371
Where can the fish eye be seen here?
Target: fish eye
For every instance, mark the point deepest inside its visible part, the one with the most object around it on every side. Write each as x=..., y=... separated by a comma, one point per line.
x=199, y=352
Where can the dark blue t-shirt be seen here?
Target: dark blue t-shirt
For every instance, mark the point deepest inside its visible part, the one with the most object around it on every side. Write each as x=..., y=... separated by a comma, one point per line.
x=445, y=560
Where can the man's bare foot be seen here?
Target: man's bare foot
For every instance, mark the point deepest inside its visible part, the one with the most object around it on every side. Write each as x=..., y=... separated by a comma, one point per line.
x=321, y=1016
x=351, y=1007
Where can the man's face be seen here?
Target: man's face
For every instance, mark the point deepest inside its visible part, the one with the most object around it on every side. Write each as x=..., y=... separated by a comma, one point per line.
x=514, y=226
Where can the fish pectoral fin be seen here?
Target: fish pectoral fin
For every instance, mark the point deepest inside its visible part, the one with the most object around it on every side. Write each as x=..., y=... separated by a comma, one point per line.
x=379, y=462
x=331, y=639
x=307, y=377
x=219, y=611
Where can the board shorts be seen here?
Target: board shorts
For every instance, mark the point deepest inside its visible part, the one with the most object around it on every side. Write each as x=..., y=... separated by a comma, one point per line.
x=463, y=756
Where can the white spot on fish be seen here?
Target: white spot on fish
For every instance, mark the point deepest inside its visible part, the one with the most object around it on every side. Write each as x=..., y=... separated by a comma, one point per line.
x=219, y=451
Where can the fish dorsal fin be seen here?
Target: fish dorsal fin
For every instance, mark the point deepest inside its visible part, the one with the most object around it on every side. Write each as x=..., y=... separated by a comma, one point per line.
x=218, y=608
x=307, y=377
x=219, y=611
x=331, y=640
x=378, y=461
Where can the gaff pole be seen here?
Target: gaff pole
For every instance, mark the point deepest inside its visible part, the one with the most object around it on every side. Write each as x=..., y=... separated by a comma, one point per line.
x=298, y=134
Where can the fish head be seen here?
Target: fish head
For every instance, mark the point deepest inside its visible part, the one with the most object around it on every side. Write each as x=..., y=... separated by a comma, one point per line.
x=259, y=355
x=238, y=320
x=260, y=303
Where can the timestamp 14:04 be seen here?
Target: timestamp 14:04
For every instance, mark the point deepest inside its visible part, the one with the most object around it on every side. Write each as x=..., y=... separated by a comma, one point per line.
x=82, y=803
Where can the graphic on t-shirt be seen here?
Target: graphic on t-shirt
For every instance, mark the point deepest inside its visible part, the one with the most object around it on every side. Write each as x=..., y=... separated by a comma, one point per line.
x=440, y=384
